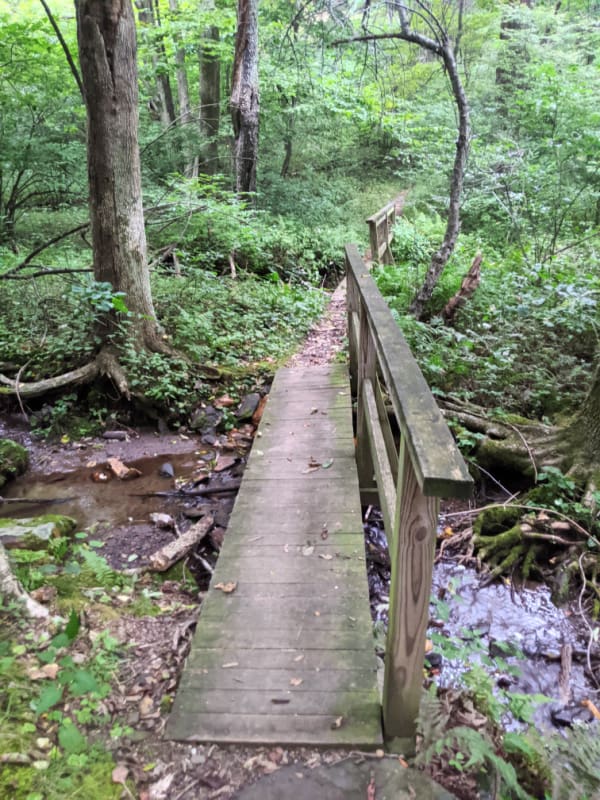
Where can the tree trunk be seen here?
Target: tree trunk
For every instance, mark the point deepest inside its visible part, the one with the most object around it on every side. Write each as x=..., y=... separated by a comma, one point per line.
x=163, y=84
x=244, y=102
x=183, y=96
x=441, y=257
x=210, y=100
x=107, y=54
x=585, y=430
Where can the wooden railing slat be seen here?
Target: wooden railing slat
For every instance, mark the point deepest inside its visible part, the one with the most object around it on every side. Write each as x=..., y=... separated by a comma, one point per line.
x=438, y=465
x=379, y=455
x=386, y=430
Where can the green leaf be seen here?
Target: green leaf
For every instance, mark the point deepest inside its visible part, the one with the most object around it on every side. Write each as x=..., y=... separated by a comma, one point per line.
x=83, y=682
x=70, y=738
x=50, y=696
x=73, y=625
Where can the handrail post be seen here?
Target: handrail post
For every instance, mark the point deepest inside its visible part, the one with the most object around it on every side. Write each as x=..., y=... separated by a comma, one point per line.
x=367, y=365
x=412, y=552
x=352, y=306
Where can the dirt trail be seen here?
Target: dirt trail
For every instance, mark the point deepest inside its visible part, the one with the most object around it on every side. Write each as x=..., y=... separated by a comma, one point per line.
x=326, y=339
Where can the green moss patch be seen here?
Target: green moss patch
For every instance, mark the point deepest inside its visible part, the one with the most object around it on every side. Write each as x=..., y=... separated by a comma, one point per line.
x=13, y=460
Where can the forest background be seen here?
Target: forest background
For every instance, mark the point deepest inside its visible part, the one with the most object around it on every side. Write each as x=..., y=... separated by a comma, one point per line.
x=350, y=116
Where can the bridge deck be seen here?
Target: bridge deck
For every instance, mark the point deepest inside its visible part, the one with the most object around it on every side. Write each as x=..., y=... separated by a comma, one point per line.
x=287, y=657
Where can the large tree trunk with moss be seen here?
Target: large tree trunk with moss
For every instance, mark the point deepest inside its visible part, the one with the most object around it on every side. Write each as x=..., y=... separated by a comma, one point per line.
x=107, y=54
x=244, y=96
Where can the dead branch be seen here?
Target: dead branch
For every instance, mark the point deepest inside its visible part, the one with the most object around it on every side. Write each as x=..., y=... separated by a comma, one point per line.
x=467, y=288
x=27, y=261
x=175, y=551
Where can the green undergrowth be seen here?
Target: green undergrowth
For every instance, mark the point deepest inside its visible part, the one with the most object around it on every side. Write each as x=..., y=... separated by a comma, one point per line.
x=54, y=684
x=523, y=343
x=57, y=733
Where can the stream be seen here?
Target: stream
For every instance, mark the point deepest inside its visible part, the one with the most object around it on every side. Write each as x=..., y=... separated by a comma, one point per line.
x=517, y=634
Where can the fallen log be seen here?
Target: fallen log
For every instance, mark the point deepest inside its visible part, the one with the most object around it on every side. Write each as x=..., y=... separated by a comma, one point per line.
x=175, y=551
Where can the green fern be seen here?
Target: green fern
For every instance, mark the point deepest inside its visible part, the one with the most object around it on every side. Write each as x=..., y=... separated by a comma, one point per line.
x=480, y=750
x=574, y=760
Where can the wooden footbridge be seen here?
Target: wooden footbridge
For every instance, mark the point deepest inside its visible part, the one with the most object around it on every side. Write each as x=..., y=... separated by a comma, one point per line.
x=283, y=652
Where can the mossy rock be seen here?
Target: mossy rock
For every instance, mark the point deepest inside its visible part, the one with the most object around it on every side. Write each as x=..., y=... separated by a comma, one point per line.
x=13, y=460
x=35, y=532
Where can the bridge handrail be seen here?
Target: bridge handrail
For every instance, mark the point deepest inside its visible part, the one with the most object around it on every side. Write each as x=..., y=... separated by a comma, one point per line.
x=381, y=233
x=410, y=480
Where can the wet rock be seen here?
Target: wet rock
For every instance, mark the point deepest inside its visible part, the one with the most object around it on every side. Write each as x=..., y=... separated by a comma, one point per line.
x=166, y=470
x=118, y=436
x=565, y=716
x=33, y=533
x=13, y=460
x=433, y=660
x=210, y=438
x=247, y=407
x=206, y=419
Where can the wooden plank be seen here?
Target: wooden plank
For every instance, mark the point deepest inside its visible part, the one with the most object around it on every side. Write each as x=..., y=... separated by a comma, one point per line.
x=302, y=637
x=297, y=520
x=248, y=611
x=278, y=570
x=281, y=658
x=276, y=680
x=283, y=703
x=439, y=467
x=300, y=469
x=308, y=730
x=411, y=556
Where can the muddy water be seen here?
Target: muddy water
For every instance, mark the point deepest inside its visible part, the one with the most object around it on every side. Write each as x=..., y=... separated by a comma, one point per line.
x=91, y=494
x=78, y=482
x=482, y=622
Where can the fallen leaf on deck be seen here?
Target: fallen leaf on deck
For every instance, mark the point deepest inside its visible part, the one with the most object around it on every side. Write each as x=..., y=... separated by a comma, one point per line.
x=327, y=464
x=326, y=556
x=227, y=588
x=314, y=410
x=296, y=681
x=119, y=774
x=300, y=657
x=317, y=613
x=337, y=723
x=121, y=470
x=308, y=550
x=403, y=762
x=230, y=664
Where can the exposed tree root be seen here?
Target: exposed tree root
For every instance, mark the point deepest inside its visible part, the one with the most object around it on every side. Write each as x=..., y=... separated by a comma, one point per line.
x=10, y=587
x=106, y=363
